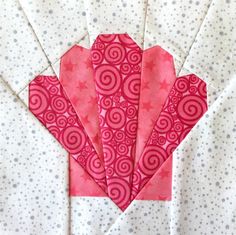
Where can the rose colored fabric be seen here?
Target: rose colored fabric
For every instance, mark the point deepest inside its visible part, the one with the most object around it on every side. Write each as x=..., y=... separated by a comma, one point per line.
x=77, y=79
x=157, y=79
x=117, y=65
x=49, y=103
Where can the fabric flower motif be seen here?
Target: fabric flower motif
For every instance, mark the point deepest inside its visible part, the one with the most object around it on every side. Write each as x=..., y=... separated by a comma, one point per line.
x=120, y=112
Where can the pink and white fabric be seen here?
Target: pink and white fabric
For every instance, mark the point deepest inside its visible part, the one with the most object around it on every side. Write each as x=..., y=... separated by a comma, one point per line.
x=117, y=64
x=120, y=112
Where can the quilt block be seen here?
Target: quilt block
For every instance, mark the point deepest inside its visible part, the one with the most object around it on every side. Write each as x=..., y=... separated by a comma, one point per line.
x=107, y=81
x=117, y=117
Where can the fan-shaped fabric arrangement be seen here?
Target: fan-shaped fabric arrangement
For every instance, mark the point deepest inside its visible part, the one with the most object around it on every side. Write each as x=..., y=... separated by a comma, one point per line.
x=120, y=112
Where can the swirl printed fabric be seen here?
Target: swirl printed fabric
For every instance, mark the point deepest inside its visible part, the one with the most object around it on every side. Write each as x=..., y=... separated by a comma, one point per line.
x=49, y=103
x=117, y=65
x=94, y=111
x=183, y=108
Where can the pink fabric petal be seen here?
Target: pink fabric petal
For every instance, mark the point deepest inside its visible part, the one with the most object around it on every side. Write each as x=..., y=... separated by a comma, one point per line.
x=117, y=63
x=157, y=79
x=49, y=103
x=77, y=79
x=185, y=105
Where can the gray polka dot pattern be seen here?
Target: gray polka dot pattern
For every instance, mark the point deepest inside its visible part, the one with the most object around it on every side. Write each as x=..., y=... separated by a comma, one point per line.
x=174, y=25
x=90, y=215
x=33, y=173
x=117, y=16
x=143, y=217
x=213, y=54
x=21, y=57
x=58, y=24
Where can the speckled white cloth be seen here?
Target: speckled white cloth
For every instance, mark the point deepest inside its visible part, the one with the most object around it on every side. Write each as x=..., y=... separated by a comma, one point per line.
x=201, y=36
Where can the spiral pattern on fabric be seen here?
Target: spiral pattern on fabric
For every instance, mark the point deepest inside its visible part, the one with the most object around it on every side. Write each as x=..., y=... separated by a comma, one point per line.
x=151, y=159
x=94, y=166
x=191, y=108
x=108, y=79
x=115, y=118
x=73, y=139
